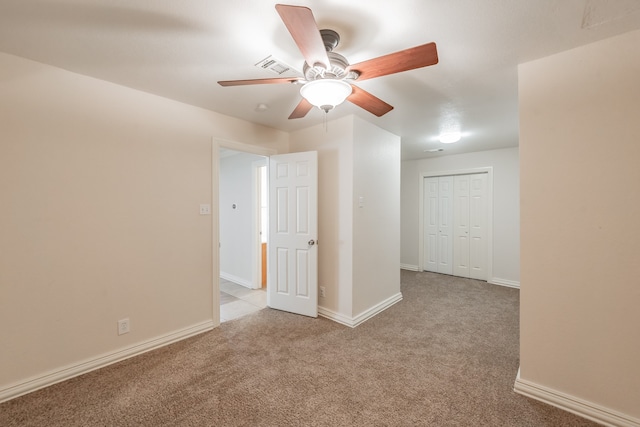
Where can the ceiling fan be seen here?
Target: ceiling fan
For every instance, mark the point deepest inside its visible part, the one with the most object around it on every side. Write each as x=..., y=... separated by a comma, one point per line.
x=328, y=76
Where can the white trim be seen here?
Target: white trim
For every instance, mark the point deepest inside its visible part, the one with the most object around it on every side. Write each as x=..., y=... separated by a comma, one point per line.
x=378, y=308
x=583, y=408
x=237, y=280
x=256, y=214
x=70, y=371
x=336, y=317
x=409, y=267
x=215, y=233
x=362, y=317
x=489, y=171
x=504, y=282
x=245, y=148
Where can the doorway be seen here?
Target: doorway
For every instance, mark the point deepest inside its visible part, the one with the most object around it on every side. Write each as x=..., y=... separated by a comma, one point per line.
x=293, y=257
x=242, y=215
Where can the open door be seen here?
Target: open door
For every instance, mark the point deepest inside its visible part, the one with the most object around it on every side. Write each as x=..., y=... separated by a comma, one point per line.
x=293, y=229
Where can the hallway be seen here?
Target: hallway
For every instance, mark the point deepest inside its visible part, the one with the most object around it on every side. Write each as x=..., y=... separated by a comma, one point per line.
x=237, y=301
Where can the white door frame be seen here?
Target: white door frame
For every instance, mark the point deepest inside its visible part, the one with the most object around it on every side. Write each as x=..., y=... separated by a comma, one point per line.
x=489, y=171
x=216, y=145
x=256, y=218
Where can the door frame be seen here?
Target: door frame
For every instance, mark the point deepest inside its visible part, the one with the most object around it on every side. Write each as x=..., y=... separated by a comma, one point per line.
x=216, y=145
x=489, y=171
x=256, y=217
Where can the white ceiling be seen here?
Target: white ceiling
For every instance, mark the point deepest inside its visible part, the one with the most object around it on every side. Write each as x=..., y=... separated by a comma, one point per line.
x=179, y=49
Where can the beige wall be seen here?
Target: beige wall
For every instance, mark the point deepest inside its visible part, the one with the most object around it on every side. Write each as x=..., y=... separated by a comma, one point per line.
x=359, y=249
x=376, y=225
x=580, y=211
x=505, y=256
x=100, y=187
x=334, y=145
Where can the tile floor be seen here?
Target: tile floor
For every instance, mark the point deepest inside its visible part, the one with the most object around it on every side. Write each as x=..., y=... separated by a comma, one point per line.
x=237, y=300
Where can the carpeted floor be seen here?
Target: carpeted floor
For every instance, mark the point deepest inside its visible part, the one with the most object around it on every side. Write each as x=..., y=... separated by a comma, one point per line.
x=445, y=355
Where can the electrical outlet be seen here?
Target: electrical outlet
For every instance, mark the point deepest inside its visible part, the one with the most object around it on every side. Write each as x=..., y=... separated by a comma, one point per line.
x=205, y=209
x=123, y=326
x=322, y=292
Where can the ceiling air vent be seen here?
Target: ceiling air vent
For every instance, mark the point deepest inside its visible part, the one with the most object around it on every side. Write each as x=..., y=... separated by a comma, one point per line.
x=274, y=65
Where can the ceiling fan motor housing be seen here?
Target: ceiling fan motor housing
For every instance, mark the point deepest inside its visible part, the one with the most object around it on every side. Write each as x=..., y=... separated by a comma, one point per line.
x=336, y=70
x=330, y=39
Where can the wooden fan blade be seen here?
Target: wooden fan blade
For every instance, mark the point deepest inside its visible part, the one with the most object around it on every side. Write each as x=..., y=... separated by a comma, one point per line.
x=365, y=100
x=404, y=60
x=302, y=26
x=258, y=81
x=301, y=109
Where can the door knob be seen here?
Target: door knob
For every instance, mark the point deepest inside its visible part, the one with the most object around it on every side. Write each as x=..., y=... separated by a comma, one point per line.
x=311, y=242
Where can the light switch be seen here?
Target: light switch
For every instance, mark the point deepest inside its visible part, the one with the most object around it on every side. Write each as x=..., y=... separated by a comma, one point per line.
x=205, y=209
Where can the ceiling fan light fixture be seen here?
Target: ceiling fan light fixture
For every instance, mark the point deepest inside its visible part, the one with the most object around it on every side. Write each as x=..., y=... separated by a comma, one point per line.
x=326, y=93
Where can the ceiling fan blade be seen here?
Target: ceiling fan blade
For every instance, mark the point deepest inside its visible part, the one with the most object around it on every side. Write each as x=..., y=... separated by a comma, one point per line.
x=301, y=109
x=258, y=81
x=404, y=60
x=365, y=100
x=302, y=26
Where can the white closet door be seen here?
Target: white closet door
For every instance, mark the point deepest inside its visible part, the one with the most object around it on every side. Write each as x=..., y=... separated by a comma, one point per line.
x=461, y=226
x=445, y=226
x=455, y=225
x=478, y=230
x=431, y=224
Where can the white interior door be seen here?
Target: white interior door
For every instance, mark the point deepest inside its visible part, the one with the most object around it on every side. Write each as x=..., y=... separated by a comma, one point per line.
x=478, y=226
x=456, y=211
x=292, y=283
x=461, y=226
x=445, y=227
x=431, y=224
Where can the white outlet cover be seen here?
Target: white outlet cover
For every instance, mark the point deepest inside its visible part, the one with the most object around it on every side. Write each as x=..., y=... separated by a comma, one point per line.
x=123, y=326
x=205, y=209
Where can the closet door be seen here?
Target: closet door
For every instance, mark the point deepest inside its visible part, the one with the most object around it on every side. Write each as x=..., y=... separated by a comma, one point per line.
x=431, y=224
x=478, y=226
x=455, y=225
x=445, y=226
x=461, y=226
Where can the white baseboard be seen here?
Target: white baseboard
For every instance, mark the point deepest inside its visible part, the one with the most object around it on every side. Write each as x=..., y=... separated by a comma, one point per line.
x=52, y=377
x=409, y=267
x=352, y=322
x=335, y=316
x=591, y=411
x=504, y=282
x=238, y=280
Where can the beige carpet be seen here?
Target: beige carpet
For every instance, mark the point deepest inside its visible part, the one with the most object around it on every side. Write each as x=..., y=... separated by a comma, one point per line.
x=446, y=355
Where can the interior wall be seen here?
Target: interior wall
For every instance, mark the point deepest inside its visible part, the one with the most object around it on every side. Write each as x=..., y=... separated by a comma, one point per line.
x=334, y=145
x=506, y=206
x=579, y=142
x=376, y=216
x=238, y=229
x=100, y=187
x=358, y=247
